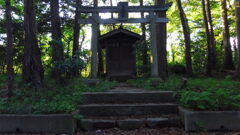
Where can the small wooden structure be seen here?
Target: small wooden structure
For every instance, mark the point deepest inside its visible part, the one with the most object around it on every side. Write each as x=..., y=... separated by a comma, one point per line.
x=156, y=15
x=120, y=53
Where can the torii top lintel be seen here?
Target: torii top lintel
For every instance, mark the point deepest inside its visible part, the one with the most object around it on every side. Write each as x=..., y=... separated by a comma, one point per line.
x=123, y=9
x=105, y=9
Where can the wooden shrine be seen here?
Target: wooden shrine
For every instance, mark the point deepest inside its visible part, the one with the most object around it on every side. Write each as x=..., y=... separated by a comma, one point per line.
x=120, y=53
x=123, y=9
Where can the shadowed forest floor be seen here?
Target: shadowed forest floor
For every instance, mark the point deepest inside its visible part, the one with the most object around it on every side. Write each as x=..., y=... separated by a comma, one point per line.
x=164, y=131
x=144, y=131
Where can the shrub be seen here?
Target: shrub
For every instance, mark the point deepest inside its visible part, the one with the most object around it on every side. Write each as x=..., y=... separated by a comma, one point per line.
x=213, y=100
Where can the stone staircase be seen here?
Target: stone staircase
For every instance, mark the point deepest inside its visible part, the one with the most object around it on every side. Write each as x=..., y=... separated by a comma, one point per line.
x=128, y=108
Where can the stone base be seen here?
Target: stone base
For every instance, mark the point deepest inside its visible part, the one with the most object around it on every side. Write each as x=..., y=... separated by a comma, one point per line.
x=209, y=120
x=91, y=82
x=57, y=124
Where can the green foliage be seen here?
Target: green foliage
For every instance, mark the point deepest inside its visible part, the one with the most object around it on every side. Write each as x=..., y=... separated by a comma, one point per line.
x=177, y=68
x=213, y=100
x=54, y=99
x=70, y=67
x=200, y=93
x=170, y=84
x=142, y=70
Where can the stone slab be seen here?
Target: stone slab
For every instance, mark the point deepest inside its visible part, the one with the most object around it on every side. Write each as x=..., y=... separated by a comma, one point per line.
x=57, y=124
x=130, y=124
x=90, y=124
x=162, y=122
x=209, y=120
x=128, y=97
x=127, y=109
x=91, y=82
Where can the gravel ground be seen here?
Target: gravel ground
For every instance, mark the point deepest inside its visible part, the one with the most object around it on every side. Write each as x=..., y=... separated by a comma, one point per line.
x=164, y=131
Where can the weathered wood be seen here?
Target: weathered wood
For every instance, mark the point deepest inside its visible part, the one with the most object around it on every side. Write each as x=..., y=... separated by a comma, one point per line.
x=120, y=54
x=106, y=9
x=161, y=30
x=113, y=21
x=94, y=48
x=153, y=37
x=123, y=11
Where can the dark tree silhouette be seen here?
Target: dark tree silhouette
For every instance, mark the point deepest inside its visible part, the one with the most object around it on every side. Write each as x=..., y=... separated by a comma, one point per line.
x=57, y=46
x=32, y=65
x=9, y=51
x=228, y=59
x=209, y=47
x=186, y=31
x=76, y=29
x=237, y=72
x=211, y=34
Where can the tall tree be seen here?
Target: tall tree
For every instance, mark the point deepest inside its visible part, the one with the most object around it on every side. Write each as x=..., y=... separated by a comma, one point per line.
x=237, y=5
x=211, y=34
x=186, y=31
x=9, y=59
x=32, y=65
x=57, y=47
x=76, y=29
x=228, y=59
x=209, y=47
x=145, y=61
x=161, y=30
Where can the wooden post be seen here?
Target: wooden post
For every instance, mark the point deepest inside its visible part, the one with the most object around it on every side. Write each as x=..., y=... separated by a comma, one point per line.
x=153, y=40
x=161, y=32
x=94, y=46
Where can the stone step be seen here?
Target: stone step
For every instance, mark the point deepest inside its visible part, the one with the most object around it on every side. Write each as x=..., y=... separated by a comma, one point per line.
x=128, y=97
x=128, y=109
x=89, y=124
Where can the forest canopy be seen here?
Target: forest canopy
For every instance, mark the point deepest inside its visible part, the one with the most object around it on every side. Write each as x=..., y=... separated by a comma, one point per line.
x=44, y=38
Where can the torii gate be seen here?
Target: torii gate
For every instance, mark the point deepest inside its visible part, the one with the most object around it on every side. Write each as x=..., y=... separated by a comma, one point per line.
x=123, y=9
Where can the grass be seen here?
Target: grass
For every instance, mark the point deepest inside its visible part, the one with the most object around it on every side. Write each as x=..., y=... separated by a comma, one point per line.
x=170, y=84
x=55, y=98
x=200, y=94
x=194, y=84
x=214, y=94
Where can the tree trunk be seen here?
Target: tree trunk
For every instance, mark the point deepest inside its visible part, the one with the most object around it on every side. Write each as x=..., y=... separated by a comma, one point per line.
x=209, y=48
x=57, y=47
x=161, y=30
x=76, y=30
x=228, y=59
x=186, y=31
x=211, y=34
x=237, y=5
x=9, y=58
x=32, y=65
x=145, y=61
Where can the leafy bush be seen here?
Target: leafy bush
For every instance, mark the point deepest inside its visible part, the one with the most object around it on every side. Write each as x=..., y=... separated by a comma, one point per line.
x=70, y=67
x=213, y=100
x=177, y=68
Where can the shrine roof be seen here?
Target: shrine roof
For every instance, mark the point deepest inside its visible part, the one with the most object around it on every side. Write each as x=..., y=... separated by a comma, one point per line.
x=120, y=31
